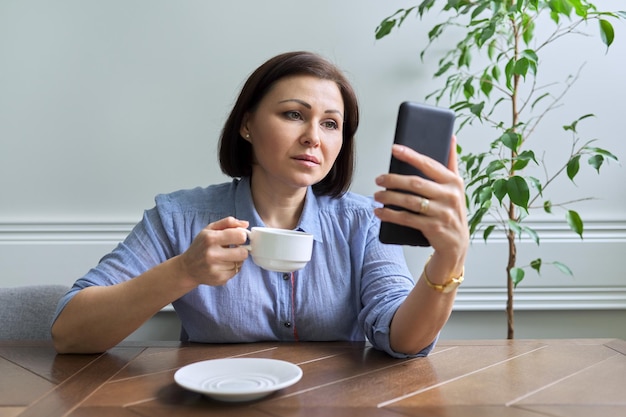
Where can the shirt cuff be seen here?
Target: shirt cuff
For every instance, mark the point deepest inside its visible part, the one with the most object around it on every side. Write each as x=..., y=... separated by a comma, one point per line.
x=382, y=341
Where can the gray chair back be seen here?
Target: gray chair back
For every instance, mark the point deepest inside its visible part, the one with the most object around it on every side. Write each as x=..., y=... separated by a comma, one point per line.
x=26, y=312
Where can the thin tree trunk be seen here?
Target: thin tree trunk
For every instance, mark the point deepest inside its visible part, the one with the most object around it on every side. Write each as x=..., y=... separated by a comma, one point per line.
x=509, y=285
x=511, y=233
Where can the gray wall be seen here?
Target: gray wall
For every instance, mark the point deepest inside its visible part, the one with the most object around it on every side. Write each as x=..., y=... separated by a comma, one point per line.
x=105, y=104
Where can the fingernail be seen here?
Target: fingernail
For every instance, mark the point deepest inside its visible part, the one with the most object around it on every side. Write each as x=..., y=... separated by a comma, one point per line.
x=379, y=180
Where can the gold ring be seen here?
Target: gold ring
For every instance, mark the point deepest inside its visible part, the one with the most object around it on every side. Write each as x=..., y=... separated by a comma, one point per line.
x=424, y=205
x=236, y=267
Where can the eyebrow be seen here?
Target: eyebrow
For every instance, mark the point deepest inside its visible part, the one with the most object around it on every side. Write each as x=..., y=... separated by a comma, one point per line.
x=308, y=106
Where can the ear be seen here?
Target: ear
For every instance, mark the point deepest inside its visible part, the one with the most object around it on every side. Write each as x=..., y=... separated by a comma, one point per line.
x=243, y=130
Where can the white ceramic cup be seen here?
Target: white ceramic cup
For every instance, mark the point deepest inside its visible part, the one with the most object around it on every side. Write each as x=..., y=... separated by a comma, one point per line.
x=279, y=250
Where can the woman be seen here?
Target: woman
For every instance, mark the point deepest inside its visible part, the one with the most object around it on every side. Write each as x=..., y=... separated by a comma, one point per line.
x=289, y=146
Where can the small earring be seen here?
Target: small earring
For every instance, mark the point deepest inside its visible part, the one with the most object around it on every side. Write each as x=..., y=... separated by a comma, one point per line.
x=247, y=135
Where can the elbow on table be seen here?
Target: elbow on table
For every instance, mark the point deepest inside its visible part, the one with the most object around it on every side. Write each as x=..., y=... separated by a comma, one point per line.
x=64, y=343
x=412, y=348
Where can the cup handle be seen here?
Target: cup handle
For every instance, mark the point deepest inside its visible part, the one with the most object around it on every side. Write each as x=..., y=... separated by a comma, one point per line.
x=249, y=233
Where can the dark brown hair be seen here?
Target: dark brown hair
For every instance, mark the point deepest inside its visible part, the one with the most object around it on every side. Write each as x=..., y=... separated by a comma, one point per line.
x=235, y=153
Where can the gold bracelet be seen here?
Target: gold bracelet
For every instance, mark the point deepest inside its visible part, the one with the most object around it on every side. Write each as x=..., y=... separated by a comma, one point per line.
x=446, y=287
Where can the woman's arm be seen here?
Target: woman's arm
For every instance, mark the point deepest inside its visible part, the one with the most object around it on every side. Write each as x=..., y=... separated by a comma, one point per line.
x=99, y=317
x=424, y=312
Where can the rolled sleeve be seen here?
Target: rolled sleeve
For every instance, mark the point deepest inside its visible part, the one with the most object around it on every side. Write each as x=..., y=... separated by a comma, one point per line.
x=386, y=283
x=145, y=247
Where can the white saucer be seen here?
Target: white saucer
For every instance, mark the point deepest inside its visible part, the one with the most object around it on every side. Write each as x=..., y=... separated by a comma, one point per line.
x=238, y=379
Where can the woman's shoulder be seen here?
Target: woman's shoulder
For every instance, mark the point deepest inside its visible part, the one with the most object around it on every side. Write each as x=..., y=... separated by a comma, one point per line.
x=196, y=198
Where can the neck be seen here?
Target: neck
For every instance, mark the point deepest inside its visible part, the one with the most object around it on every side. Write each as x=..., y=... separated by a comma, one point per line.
x=278, y=208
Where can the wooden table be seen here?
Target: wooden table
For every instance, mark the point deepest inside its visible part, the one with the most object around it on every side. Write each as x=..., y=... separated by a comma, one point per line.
x=521, y=378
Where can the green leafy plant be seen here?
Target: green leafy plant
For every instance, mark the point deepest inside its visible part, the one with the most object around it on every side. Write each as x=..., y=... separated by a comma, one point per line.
x=492, y=78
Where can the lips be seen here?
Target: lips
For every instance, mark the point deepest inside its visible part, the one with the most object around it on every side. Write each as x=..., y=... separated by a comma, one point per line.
x=307, y=158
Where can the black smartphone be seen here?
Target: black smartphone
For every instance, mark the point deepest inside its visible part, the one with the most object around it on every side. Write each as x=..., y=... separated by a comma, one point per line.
x=428, y=130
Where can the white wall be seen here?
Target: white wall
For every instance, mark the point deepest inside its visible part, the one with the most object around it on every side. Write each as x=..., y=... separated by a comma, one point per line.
x=104, y=104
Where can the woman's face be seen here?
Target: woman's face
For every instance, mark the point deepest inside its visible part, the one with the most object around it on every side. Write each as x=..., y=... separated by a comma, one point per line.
x=296, y=132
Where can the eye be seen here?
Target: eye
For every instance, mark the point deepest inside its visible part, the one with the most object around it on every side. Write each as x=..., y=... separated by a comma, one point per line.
x=330, y=124
x=293, y=115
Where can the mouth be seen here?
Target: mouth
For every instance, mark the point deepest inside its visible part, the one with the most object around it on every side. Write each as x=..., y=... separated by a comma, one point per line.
x=307, y=158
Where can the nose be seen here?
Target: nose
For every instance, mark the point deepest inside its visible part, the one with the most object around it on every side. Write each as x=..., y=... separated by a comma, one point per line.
x=311, y=135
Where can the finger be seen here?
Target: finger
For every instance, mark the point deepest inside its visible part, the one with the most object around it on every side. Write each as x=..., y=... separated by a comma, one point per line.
x=227, y=223
x=429, y=166
x=227, y=238
x=453, y=163
x=408, y=183
x=226, y=256
x=413, y=203
x=403, y=218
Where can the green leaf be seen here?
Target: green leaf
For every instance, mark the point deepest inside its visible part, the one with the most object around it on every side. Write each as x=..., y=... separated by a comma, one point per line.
x=601, y=151
x=523, y=159
x=484, y=194
x=515, y=227
x=478, y=10
x=547, y=206
x=575, y=222
x=532, y=59
x=520, y=164
x=499, y=189
x=511, y=140
x=554, y=16
x=518, y=191
x=486, y=84
x=563, y=268
x=508, y=72
x=537, y=184
x=572, y=126
x=476, y=219
x=606, y=32
x=581, y=9
x=494, y=166
x=385, y=28
x=495, y=72
x=560, y=7
x=521, y=67
x=435, y=31
x=477, y=109
x=532, y=233
x=528, y=29
x=573, y=166
x=465, y=58
x=491, y=49
x=487, y=232
x=470, y=160
x=517, y=275
x=596, y=162
x=443, y=69
x=541, y=97
x=487, y=33
x=468, y=89
x=536, y=265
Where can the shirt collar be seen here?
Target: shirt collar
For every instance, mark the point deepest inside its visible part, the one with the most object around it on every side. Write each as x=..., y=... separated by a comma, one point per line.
x=244, y=209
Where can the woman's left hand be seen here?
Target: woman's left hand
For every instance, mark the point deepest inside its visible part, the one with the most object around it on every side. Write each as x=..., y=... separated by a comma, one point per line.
x=440, y=203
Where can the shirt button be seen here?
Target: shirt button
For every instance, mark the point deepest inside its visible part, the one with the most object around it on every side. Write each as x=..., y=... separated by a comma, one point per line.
x=286, y=276
x=287, y=324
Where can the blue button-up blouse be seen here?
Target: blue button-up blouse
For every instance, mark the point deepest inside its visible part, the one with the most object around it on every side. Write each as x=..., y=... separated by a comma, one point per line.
x=349, y=290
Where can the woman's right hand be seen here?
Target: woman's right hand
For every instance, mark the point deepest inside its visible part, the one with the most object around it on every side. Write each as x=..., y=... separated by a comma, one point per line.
x=215, y=255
